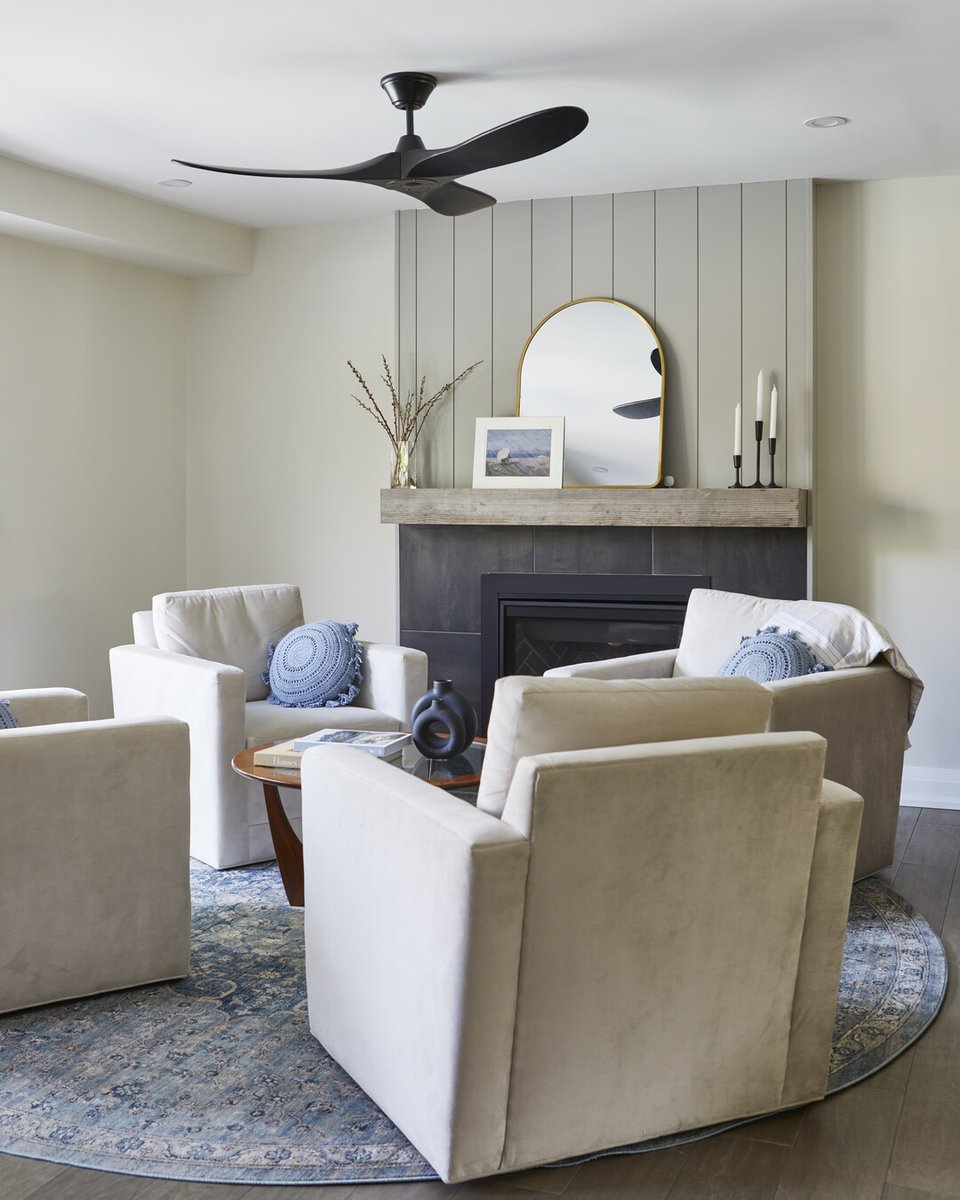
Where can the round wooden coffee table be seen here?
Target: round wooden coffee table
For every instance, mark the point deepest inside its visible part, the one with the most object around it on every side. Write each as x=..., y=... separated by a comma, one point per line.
x=460, y=774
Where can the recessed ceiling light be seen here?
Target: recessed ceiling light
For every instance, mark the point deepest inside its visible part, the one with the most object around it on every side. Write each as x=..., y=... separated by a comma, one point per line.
x=175, y=182
x=826, y=122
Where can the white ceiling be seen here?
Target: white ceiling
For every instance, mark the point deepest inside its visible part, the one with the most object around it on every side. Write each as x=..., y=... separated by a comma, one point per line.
x=679, y=92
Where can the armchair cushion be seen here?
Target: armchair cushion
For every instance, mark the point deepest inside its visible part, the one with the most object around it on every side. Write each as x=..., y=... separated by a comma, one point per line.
x=713, y=625
x=230, y=625
x=542, y=716
x=315, y=666
x=266, y=722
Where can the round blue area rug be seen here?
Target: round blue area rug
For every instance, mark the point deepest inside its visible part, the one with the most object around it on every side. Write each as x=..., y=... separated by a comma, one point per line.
x=216, y=1078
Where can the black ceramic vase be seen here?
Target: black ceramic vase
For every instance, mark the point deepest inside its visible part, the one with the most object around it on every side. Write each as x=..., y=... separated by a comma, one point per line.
x=443, y=723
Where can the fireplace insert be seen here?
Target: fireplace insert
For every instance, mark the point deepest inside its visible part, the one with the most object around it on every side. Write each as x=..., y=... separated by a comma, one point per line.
x=531, y=622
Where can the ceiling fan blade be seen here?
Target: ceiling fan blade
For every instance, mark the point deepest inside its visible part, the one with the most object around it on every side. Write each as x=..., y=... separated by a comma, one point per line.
x=385, y=166
x=453, y=199
x=639, y=410
x=525, y=137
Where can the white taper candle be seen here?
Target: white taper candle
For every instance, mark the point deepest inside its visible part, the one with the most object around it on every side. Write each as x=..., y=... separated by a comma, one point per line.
x=760, y=396
x=773, y=412
x=738, y=429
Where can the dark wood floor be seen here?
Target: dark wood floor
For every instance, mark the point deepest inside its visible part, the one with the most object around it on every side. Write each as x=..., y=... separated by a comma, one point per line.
x=896, y=1136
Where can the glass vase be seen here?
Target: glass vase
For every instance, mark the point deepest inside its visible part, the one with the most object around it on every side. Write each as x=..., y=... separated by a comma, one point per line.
x=400, y=466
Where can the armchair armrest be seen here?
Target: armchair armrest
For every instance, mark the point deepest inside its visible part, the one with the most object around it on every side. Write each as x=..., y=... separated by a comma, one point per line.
x=211, y=698
x=394, y=678
x=658, y=664
x=821, y=951
x=47, y=706
x=146, y=680
x=863, y=712
x=433, y=892
x=848, y=688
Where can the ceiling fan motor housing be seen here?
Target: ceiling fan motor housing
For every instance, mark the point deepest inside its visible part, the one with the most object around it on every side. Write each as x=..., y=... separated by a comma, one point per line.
x=408, y=89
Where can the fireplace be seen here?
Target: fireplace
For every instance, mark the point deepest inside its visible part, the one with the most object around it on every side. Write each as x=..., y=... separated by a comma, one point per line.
x=530, y=622
x=442, y=567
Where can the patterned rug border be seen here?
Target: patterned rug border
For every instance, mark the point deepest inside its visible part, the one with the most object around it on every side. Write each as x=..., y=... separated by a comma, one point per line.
x=935, y=960
x=920, y=960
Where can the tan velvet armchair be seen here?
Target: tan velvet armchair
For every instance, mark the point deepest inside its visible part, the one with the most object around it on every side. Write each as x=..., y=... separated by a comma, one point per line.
x=94, y=866
x=198, y=655
x=863, y=712
x=647, y=940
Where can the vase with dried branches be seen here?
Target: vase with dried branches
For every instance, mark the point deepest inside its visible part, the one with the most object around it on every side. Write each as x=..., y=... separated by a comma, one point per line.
x=402, y=421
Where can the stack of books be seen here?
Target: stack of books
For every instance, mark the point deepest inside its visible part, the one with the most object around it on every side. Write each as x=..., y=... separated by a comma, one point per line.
x=286, y=756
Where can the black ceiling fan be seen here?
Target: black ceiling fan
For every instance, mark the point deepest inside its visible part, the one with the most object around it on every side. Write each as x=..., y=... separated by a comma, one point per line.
x=429, y=175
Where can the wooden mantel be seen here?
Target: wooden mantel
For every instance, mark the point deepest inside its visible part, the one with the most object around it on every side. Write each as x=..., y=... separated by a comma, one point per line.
x=781, y=508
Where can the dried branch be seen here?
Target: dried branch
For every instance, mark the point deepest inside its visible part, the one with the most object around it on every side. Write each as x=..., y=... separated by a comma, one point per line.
x=424, y=409
x=373, y=408
x=406, y=420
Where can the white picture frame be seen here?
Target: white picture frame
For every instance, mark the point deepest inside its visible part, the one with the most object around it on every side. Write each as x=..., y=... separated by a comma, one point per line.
x=524, y=452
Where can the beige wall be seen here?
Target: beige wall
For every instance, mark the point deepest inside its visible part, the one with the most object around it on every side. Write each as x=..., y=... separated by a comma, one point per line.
x=277, y=467
x=91, y=459
x=284, y=469
x=887, y=491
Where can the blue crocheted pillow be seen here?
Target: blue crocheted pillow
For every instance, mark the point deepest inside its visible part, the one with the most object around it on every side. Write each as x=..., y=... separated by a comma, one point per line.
x=7, y=719
x=315, y=666
x=771, y=656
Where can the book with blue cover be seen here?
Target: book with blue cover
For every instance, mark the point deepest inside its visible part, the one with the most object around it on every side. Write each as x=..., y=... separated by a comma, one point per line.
x=385, y=744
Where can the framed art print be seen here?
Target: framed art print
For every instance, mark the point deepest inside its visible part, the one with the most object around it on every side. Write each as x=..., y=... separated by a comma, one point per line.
x=518, y=452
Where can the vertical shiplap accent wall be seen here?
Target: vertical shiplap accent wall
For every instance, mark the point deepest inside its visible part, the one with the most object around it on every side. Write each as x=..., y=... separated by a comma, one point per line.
x=512, y=300
x=678, y=324
x=472, y=328
x=436, y=272
x=722, y=273
x=592, y=248
x=764, y=320
x=551, y=260
x=720, y=293
x=634, y=250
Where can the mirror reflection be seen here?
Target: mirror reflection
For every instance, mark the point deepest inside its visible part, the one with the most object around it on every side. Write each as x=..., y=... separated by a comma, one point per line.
x=598, y=364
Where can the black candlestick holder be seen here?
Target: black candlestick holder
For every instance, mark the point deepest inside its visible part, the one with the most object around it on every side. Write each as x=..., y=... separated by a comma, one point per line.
x=772, y=444
x=758, y=429
x=737, y=462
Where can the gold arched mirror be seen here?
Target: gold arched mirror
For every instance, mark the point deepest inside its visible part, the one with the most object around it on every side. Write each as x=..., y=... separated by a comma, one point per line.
x=599, y=365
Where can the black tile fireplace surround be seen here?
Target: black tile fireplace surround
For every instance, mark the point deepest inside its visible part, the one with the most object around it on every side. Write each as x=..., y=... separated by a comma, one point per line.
x=441, y=570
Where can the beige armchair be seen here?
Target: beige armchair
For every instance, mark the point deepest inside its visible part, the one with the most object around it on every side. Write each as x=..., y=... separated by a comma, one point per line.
x=648, y=940
x=198, y=655
x=864, y=712
x=94, y=869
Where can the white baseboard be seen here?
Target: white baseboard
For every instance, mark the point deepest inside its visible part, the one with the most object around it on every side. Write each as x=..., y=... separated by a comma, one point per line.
x=930, y=787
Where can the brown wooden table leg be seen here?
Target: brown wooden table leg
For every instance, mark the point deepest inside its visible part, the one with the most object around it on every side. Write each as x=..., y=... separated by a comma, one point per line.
x=288, y=846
